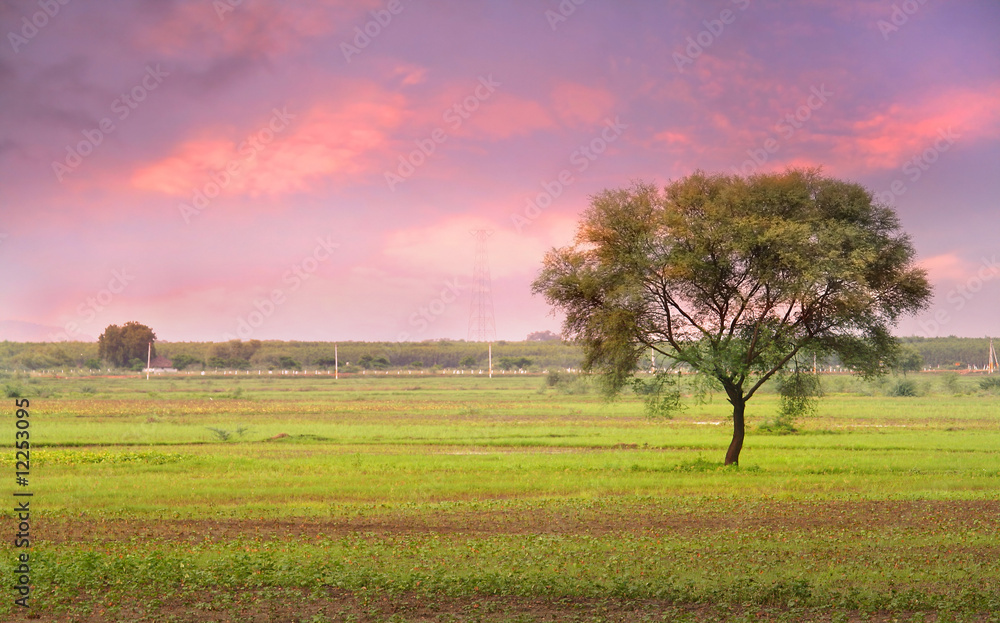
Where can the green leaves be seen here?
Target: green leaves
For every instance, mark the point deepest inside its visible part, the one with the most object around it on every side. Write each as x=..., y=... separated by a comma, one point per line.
x=662, y=394
x=120, y=345
x=734, y=276
x=799, y=393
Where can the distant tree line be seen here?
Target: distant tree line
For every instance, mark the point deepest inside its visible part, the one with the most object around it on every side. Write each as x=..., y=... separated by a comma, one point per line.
x=272, y=355
x=951, y=353
x=948, y=353
x=280, y=355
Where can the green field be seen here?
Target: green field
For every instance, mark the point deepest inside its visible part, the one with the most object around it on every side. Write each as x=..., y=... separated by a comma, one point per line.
x=460, y=498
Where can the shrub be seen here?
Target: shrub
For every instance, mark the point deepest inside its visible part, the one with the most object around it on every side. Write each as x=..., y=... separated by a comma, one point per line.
x=780, y=425
x=223, y=434
x=903, y=388
x=990, y=384
x=565, y=383
x=949, y=381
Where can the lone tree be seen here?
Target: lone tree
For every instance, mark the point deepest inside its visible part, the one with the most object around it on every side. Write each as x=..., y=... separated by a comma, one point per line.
x=908, y=359
x=734, y=277
x=120, y=345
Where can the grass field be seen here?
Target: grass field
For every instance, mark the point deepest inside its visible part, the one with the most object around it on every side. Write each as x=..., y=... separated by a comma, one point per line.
x=447, y=498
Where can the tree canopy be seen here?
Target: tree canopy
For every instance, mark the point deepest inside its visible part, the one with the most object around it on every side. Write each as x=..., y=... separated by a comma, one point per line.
x=233, y=354
x=908, y=359
x=119, y=346
x=735, y=277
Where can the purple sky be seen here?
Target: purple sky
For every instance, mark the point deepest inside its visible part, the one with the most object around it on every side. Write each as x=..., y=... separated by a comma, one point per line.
x=202, y=167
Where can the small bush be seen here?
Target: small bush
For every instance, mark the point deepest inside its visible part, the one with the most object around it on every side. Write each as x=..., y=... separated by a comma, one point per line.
x=780, y=425
x=220, y=433
x=699, y=464
x=223, y=434
x=903, y=388
x=566, y=383
x=990, y=384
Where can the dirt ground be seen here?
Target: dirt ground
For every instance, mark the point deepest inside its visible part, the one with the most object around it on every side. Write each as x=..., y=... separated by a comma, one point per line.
x=296, y=605
x=639, y=518
x=629, y=518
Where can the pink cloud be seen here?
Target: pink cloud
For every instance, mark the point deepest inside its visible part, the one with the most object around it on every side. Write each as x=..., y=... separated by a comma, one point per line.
x=281, y=155
x=479, y=108
x=889, y=137
x=947, y=267
x=447, y=246
x=504, y=116
x=577, y=104
x=882, y=137
x=409, y=75
x=672, y=138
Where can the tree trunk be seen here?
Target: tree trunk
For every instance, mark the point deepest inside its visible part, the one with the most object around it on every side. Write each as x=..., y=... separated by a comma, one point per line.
x=733, y=454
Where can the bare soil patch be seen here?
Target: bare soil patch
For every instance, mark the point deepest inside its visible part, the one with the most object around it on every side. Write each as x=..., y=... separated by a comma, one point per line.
x=294, y=605
x=628, y=518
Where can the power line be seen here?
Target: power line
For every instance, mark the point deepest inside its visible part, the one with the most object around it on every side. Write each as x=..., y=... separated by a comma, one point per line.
x=482, y=323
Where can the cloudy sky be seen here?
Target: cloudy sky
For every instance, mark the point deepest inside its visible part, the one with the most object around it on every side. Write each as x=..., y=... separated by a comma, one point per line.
x=312, y=171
